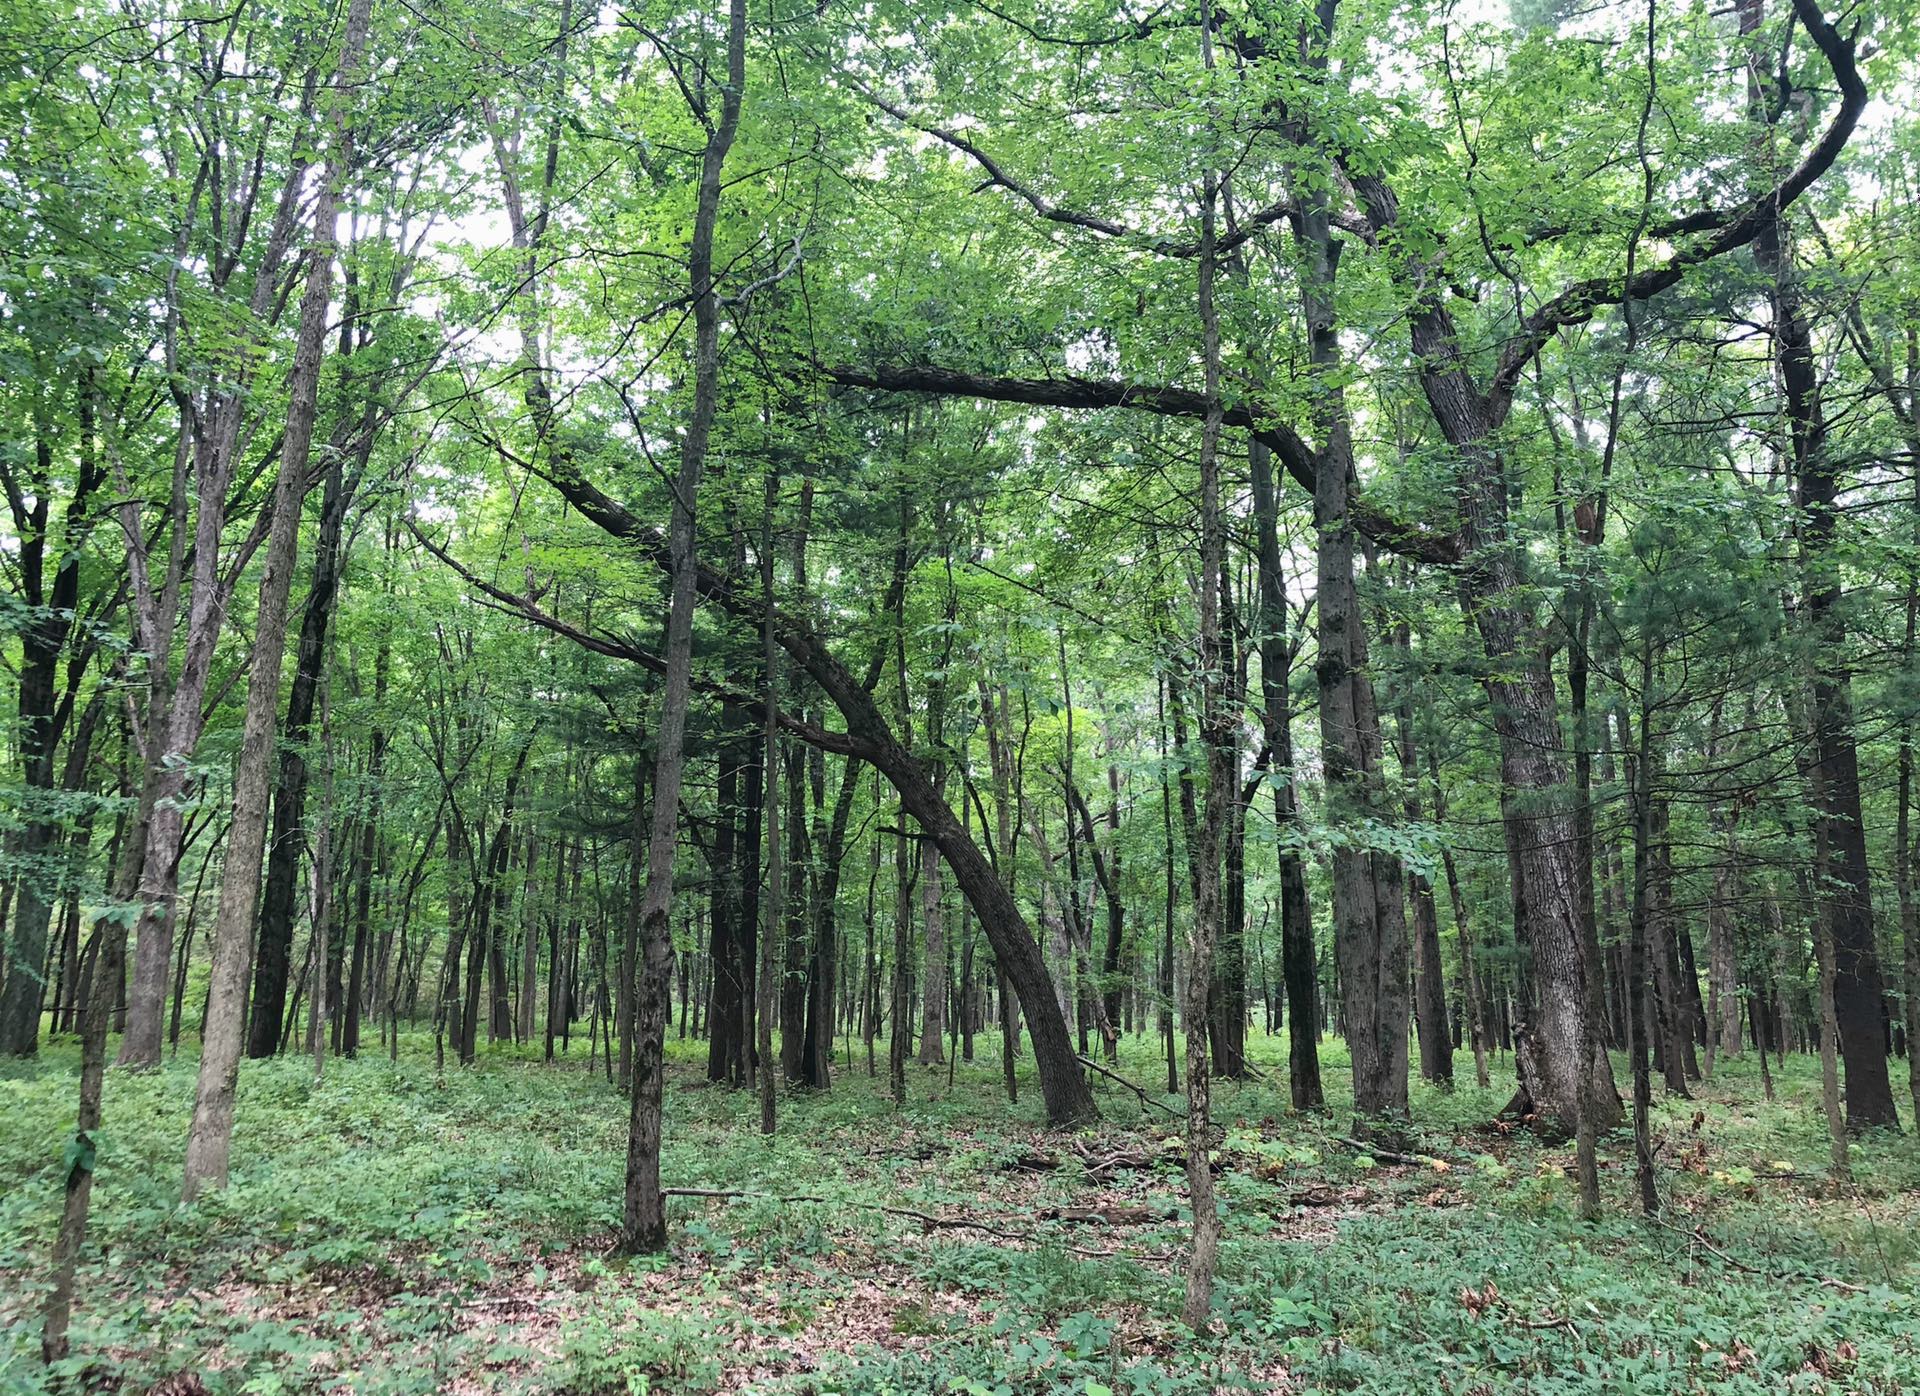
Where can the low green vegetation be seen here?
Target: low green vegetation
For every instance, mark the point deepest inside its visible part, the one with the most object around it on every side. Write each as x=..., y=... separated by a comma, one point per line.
x=395, y=1230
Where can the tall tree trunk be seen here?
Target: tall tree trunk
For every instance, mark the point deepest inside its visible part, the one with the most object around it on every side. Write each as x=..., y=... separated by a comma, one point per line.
x=210, y=1134
x=725, y=1014
x=1903, y=846
x=772, y=934
x=210, y=439
x=1639, y=760
x=320, y=895
x=273, y=952
x=628, y=969
x=823, y=961
x=1846, y=893
x=1109, y=869
x=42, y=641
x=1276, y=714
x=530, y=944
x=1563, y=1067
x=1670, y=1014
x=1172, y=893
x=996, y=722
x=365, y=858
x=933, y=1019
x=1218, y=731
x=1370, y=938
x=1429, y=975
x=644, y=1217
x=796, y=919
x=900, y=992
x=491, y=891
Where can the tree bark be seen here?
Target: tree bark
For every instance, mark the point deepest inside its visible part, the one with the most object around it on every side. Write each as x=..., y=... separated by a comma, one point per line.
x=1846, y=894
x=1218, y=732
x=43, y=639
x=644, y=1218
x=1370, y=938
x=210, y=1134
x=273, y=952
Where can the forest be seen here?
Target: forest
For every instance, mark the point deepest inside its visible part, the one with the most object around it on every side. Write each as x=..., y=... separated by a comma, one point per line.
x=959, y=696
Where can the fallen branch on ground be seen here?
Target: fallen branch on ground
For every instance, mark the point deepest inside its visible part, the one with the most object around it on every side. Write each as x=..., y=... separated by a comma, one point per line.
x=1699, y=1236
x=927, y=1219
x=1135, y=1087
x=1390, y=1155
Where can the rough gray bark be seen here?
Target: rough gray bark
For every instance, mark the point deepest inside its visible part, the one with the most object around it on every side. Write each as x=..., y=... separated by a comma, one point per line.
x=1370, y=938
x=272, y=955
x=209, y=444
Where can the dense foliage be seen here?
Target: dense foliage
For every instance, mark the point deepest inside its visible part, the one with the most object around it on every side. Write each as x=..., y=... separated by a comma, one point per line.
x=1221, y=557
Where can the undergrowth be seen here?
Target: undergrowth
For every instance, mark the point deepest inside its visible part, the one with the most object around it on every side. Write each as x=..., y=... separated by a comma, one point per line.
x=396, y=1230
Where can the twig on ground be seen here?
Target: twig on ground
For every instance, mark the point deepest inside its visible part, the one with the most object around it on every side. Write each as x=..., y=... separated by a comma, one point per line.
x=1699, y=1236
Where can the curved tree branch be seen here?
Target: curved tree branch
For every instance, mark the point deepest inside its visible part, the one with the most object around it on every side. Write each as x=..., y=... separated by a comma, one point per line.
x=1731, y=229
x=1082, y=394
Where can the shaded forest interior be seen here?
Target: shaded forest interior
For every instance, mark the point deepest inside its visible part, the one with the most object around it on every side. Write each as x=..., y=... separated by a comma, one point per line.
x=1039, y=696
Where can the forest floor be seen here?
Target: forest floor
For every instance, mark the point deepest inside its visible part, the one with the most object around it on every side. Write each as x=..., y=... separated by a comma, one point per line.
x=394, y=1230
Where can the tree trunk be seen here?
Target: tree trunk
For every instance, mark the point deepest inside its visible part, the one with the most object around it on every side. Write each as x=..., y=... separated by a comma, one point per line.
x=112, y=934
x=1845, y=893
x=210, y=1134
x=1563, y=1066
x=644, y=1217
x=1296, y=910
x=628, y=970
x=823, y=962
x=43, y=638
x=1429, y=976
x=273, y=953
x=1218, y=730
x=366, y=862
x=796, y=917
x=1370, y=938
x=530, y=946
x=1640, y=790
x=772, y=935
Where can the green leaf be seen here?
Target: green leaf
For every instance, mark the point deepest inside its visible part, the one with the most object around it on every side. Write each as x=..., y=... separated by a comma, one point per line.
x=79, y=1155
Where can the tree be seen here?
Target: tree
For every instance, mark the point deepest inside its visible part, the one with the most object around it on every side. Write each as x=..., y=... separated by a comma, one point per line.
x=209, y=1138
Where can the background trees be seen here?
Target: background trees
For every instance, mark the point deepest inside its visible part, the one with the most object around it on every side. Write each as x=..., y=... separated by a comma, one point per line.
x=1346, y=522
